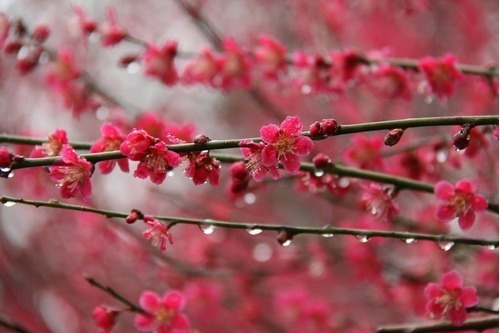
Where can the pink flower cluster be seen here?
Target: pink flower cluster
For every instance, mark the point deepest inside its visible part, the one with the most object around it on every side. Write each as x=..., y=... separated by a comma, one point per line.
x=155, y=160
x=112, y=138
x=284, y=143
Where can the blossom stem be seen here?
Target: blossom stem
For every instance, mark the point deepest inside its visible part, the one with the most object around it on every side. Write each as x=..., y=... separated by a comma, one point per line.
x=132, y=307
x=477, y=324
x=267, y=227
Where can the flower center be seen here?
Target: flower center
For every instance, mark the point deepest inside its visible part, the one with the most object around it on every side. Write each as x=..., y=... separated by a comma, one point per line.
x=164, y=316
x=449, y=300
x=461, y=202
x=285, y=144
x=73, y=175
x=155, y=161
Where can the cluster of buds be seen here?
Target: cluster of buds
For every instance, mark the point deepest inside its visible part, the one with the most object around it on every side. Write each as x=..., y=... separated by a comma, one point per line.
x=320, y=130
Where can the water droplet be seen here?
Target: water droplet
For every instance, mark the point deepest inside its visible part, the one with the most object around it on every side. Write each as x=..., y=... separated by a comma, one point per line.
x=327, y=234
x=491, y=247
x=5, y=169
x=250, y=198
x=445, y=246
x=287, y=242
x=11, y=174
x=442, y=155
x=254, y=231
x=23, y=52
x=319, y=172
x=409, y=240
x=429, y=99
x=207, y=228
x=170, y=174
x=262, y=252
x=306, y=89
x=9, y=203
x=285, y=237
x=344, y=182
x=133, y=67
x=373, y=210
x=363, y=238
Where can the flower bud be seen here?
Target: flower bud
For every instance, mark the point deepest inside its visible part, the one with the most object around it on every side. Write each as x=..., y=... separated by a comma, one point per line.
x=321, y=161
x=127, y=60
x=201, y=139
x=6, y=157
x=284, y=237
x=12, y=47
x=315, y=130
x=41, y=33
x=393, y=136
x=461, y=139
x=104, y=318
x=329, y=126
x=134, y=216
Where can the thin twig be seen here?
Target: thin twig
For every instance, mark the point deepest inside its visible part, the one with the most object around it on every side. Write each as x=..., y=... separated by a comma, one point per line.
x=291, y=230
x=478, y=324
x=11, y=325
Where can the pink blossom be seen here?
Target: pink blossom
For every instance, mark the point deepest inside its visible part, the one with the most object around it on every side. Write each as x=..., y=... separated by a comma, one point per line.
x=365, y=152
x=390, y=82
x=63, y=71
x=459, y=201
x=450, y=298
x=159, y=62
x=202, y=167
x=157, y=161
x=253, y=161
x=234, y=66
x=135, y=147
x=270, y=55
x=77, y=97
x=378, y=202
x=41, y=33
x=319, y=183
x=157, y=233
x=162, y=314
x=285, y=143
x=201, y=69
x=111, y=31
x=72, y=174
x=111, y=140
x=104, y=318
x=53, y=147
x=85, y=25
x=442, y=74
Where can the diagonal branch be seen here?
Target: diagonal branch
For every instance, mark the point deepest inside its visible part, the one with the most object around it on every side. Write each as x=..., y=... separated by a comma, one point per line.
x=478, y=324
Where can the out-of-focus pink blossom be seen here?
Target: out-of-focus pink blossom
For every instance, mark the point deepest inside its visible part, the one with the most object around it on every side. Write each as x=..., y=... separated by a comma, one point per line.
x=159, y=62
x=285, y=144
x=162, y=314
x=111, y=31
x=72, y=174
x=4, y=29
x=442, y=74
x=365, y=152
x=377, y=200
x=270, y=55
x=112, y=138
x=63, y=71
x=450, y=299
x=390, y=82
x=201, y=69
x=459, y=201
x=234, y=66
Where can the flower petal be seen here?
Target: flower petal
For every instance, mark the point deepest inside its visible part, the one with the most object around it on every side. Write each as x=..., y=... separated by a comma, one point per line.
x=457, y=316
x=445, y=213
x=479, y=203
x=303, y=145
x=149, y=301
x=452, y=281
x=291, y=162
x=465, y=186
x=269, y=156
x=291, y=126
x=174, y=300
x=444, y=190
x=466, y=220
x=433, y=291
x=468, y=297
x=269, y=133
x=144, y=323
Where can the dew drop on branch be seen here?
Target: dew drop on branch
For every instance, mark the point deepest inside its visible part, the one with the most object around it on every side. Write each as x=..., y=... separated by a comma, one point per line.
x=409, y=240
x=254, y=231
x=207, y=228
x=363, y=238
x=445, y=246
x=9, y=203
x=327, y=233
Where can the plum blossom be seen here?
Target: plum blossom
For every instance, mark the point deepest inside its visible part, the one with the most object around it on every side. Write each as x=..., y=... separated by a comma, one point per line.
x=201, y=69
x=202, y=167
x=111, y=31
x=390, y=82
x=449, y=299
x=6, y=157
x=234, y=66
x=162, y=314
x=111, y=140
x=157, y=233
x=379, y=202
x=54, y=145
x=72, y=174
x=365, y=152
x=442, y=74
x=270, y=55
x=159, y=62
x=459, y=201
x=4, y=29
x=253, y=161
x=285, y=143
